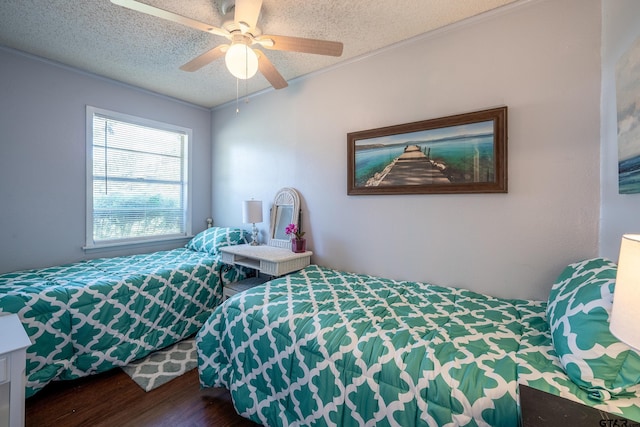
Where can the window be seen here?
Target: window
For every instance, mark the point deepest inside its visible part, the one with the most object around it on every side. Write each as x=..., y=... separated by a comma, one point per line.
x=137, y=179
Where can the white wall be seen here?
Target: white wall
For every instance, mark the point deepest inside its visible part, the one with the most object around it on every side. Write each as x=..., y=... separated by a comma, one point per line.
x=42, y=157
x=620, y=212
x=541, y=59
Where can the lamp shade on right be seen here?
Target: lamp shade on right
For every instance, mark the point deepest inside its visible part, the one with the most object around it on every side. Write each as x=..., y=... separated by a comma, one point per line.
x=625, y=314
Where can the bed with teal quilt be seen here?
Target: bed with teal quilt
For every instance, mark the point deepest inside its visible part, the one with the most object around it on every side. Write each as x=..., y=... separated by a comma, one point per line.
x=90, y=316
x=325, y=347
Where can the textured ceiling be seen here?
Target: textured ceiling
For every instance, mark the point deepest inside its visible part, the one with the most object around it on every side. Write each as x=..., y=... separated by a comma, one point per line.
x=109, y=40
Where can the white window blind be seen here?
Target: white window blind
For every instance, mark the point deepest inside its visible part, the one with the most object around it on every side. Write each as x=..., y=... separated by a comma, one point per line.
x=138, y=179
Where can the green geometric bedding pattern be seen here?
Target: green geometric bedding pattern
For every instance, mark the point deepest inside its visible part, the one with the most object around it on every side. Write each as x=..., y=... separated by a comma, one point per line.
x=91, y=316
x=324, y=347
x=580, y=303
x=540, y=367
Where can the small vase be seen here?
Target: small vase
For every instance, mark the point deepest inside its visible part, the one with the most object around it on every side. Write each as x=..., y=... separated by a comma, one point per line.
x=299, y=245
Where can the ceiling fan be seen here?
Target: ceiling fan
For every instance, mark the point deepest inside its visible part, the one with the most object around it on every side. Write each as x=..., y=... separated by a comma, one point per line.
x=242, y=60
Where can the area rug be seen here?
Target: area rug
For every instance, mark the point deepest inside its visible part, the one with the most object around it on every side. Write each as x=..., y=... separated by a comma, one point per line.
x=162, y=366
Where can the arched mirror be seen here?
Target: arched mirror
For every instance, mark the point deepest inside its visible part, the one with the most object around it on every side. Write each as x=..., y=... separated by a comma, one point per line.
x=285, y=211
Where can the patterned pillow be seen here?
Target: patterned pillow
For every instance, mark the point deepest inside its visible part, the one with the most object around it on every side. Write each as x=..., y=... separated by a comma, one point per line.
x=211, y=239
x=578, y=314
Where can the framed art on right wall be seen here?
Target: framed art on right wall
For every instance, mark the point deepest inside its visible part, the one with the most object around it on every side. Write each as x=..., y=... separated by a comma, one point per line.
x=465, y=153
x=627, y=96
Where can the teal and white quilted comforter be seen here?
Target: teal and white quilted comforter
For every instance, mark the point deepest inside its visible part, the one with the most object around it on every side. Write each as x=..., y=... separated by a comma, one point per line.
x=324, y=347
x=91, y=316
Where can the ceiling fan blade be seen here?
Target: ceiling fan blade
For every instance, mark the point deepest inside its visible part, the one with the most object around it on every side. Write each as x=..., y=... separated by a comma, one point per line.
x=170, y=16
x=206, y=58
x=247, y=13
x=299, y=44
x=269, y=71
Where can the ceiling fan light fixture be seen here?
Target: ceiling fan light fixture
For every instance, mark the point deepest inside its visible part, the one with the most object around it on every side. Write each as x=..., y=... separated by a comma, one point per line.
x=241, y=61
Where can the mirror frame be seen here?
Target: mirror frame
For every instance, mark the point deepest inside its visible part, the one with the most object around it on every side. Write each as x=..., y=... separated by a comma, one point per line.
x=285, y=197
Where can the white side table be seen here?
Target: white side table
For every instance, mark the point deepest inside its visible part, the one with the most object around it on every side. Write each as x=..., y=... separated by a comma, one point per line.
x=265, y=259
x=13, y=360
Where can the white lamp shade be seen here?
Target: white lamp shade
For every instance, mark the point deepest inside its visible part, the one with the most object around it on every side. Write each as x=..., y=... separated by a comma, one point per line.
x=241, y=61
x=252, y=211
x=625, y=314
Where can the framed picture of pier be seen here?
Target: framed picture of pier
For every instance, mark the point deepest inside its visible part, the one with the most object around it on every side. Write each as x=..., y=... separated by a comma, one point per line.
x=465, y=153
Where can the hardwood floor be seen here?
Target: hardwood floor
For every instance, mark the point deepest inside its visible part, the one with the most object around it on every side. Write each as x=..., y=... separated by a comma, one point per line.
x=113, y=399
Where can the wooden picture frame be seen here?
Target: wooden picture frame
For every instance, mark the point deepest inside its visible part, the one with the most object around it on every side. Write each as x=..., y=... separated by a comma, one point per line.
x=464, y=153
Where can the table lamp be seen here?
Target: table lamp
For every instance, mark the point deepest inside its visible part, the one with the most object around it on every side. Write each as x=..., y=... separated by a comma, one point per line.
x=625, y=314
x=252, y=214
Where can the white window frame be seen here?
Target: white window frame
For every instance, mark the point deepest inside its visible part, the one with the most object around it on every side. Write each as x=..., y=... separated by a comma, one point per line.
x=187, y=213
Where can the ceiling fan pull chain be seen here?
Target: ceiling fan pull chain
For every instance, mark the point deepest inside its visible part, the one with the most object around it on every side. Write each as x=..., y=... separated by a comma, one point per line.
x=237, y=102
x=246, y=91
x=246, y=81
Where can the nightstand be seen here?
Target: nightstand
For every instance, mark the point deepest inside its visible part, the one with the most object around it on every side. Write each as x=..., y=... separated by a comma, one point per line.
x=13, y=362
x=269, y=260
x=539, y=409
x=266, y=259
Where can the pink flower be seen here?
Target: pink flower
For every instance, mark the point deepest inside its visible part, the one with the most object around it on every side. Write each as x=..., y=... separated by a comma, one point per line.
x=293, y=229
